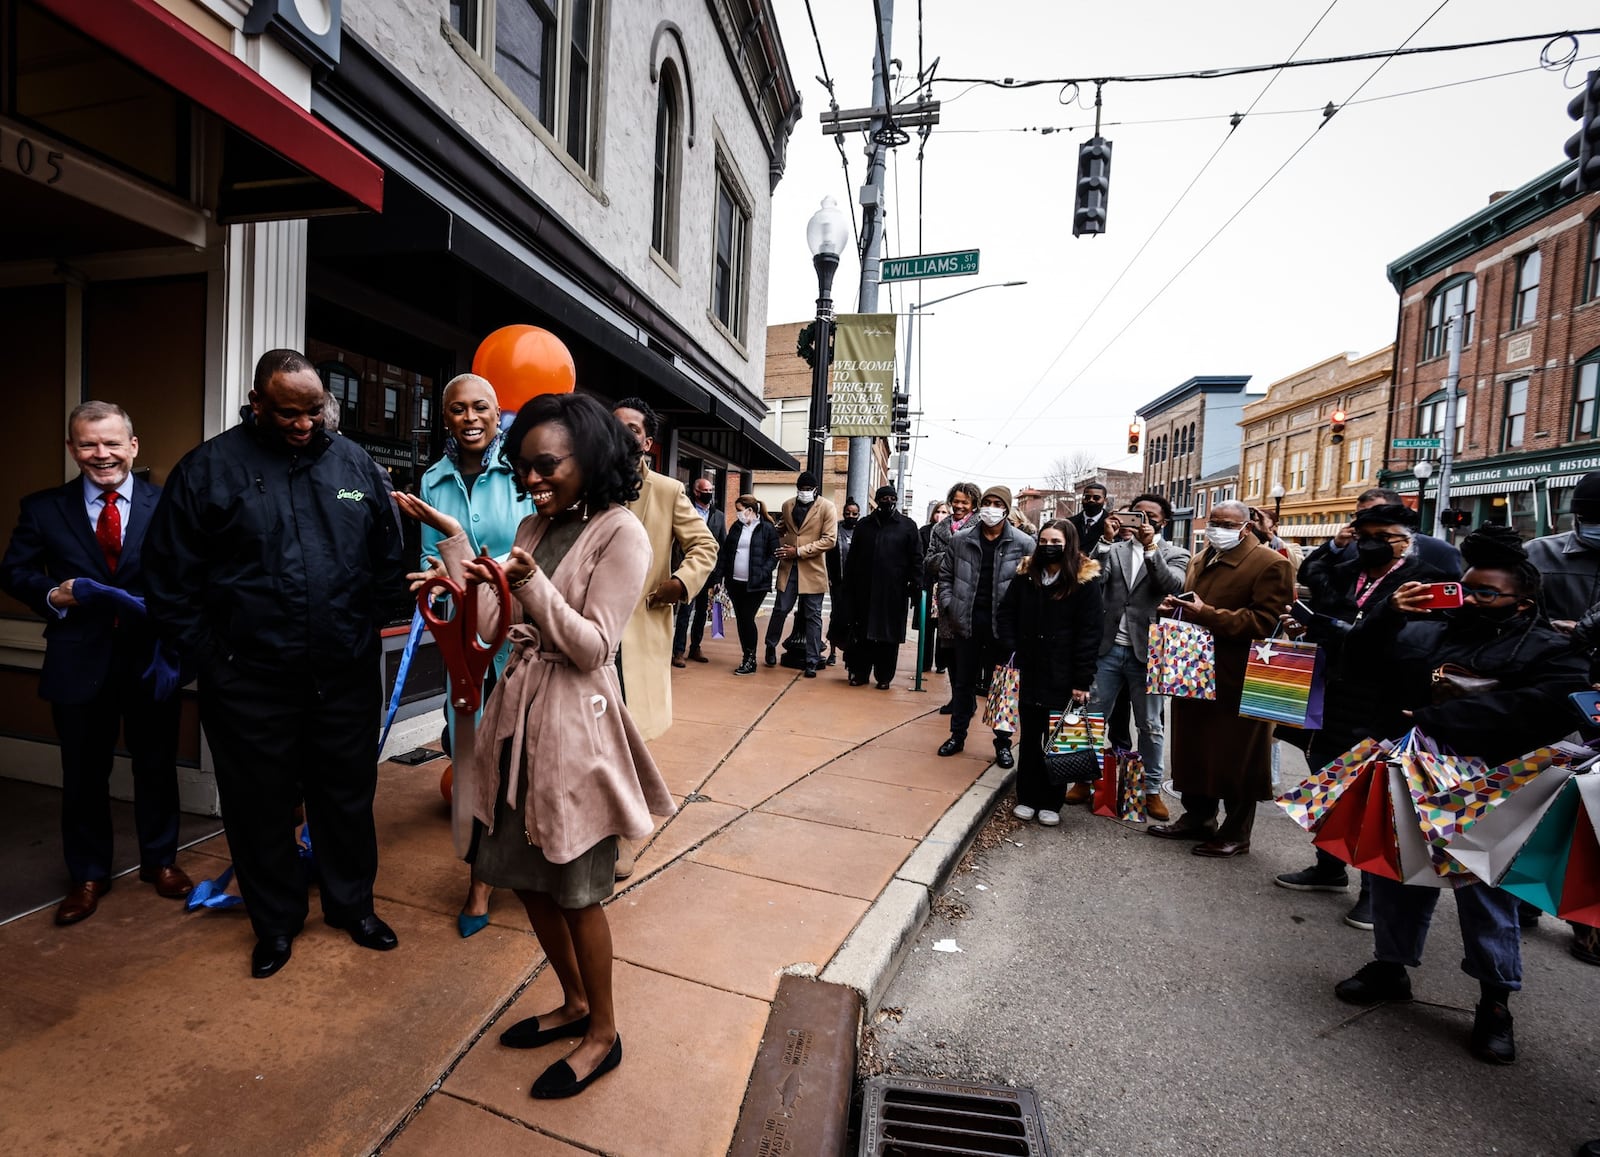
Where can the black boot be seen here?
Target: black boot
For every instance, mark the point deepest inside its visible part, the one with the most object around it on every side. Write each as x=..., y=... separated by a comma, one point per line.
x=1492, y=1039
x=748, y=667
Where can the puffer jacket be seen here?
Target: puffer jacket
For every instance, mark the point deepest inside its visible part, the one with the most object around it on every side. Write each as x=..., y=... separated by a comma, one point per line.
x=1056, y=641
x=1571, y=573
x=958, y=573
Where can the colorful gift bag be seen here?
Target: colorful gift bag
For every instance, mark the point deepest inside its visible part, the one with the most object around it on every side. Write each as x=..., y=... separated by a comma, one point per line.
x=1580, y=890
x=1486, y=843
x=1540, y=868
x=1088, y=730
x=1340, y=828
x=1107, y=791
x=1308, y=802
x=1415, y=858
x=716, y=620
x=1283, y=682
x=1182, y=661
x=1450, y=794
x=1377, y=847
x=1130, y=788
x=1000, y=712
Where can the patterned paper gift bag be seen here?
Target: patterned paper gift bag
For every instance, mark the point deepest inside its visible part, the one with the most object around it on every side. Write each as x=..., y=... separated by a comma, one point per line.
x=1309, y=802
x=1130, y=780
x=1000, y=712
x=1182, y=661
x=1451, y=793
x=1283, y=682
x=1075, y=733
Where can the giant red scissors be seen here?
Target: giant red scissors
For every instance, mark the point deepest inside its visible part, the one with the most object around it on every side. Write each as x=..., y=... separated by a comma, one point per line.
x=466, y=653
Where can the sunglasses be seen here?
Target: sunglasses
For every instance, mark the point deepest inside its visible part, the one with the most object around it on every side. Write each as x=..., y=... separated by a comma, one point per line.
x=543, y=465
x=1487, y=594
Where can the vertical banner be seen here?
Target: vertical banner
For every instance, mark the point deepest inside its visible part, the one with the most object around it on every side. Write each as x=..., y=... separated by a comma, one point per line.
x=862, y=381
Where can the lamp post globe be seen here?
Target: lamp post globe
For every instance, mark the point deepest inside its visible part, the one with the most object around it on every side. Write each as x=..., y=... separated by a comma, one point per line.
x=1277, y=500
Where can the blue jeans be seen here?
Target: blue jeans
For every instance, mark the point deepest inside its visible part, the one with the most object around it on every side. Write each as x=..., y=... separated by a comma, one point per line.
x=810, y=614
x=1401, y=914
x=1119, y=668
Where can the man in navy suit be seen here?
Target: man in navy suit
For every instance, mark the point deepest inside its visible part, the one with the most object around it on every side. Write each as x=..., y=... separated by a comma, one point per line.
x=74, y=559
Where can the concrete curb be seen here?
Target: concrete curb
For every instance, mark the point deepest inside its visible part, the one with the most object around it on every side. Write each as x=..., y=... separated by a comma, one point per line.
x=872, y=954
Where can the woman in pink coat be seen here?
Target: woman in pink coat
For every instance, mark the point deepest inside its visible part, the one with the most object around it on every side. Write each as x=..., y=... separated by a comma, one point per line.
x=556, y=769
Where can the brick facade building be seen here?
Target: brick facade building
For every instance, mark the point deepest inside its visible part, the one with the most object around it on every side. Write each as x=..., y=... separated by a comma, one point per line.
x=1527, y=268
x=1190, y=432
x=1288, y=442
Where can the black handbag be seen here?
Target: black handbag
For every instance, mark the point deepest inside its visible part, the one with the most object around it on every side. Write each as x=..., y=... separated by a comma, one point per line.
x=1069, y=767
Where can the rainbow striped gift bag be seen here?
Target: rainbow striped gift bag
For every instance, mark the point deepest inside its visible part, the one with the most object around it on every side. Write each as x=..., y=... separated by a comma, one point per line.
x=1283, y=682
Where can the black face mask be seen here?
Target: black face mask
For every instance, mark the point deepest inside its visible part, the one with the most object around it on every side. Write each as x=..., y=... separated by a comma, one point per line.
x=885, y=509
x=702, y=499
x=1051, y=552
x=1373, y=553
x=1093, y=505
x=848, y=520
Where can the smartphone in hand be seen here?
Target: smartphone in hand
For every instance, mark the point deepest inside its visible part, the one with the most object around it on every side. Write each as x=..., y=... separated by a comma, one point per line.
x=1443, y=596
x=1588, y=702
x=1301, y=613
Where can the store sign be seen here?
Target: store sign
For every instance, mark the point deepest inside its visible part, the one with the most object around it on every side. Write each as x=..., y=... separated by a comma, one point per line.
x=862, y=375
x=1519, y=348
x=1510, y=472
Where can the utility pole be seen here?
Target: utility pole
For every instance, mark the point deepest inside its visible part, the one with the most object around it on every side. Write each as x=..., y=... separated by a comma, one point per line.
x=1447, y=436
x=872, y=201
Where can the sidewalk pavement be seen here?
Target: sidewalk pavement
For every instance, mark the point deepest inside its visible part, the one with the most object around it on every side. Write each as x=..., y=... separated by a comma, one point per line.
x=141, y=1032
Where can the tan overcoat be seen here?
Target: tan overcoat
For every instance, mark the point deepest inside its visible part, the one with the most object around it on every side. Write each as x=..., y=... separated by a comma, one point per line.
x=669, y=518
x=1213, y=750
x=813, y=541
x=584, y=772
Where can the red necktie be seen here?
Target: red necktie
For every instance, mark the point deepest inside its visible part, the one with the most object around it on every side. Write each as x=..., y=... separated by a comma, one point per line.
x=108, y=530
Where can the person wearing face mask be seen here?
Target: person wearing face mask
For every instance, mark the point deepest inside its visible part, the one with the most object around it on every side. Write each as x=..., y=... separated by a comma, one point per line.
x=1316, y=570
x=1500, y=635
x=703, y=497
x=1051, y=620
x=844, y=536
x=744, y=567
x=880, y=578
x=927, y=625
x=808, y=527
x=1091, y=517
x=1386, y=557
x=963, y=500
x=1236, y=589
x=973, y=578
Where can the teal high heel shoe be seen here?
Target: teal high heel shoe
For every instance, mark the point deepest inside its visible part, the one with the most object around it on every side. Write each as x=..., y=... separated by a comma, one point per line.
x=470, y=925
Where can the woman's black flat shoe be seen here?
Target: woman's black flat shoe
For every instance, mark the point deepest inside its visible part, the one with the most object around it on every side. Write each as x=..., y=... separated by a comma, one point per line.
x=526, y=1034
x=558, y=1080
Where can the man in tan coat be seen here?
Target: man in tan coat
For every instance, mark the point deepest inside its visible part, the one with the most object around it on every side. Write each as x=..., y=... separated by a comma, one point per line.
x=807, y=530
x=670, y=520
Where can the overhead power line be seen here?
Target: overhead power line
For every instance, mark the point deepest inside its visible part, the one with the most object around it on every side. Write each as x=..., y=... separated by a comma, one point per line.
x=1385, y=55
x=833, y=102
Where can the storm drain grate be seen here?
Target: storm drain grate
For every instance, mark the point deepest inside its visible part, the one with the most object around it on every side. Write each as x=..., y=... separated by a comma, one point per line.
x=906, y=1117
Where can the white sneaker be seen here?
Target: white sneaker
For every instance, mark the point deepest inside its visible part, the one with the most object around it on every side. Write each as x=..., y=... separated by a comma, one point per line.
x=1049, y=819
x=1023, y=812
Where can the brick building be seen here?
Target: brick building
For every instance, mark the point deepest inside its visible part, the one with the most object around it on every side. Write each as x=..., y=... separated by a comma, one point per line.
x=1190, y=432
x=1041, y=504
x=1527, y=269
x=787, y=391
x=1287, y=442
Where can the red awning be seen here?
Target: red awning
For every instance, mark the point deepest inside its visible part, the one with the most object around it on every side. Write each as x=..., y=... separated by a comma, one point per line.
x=167, y=48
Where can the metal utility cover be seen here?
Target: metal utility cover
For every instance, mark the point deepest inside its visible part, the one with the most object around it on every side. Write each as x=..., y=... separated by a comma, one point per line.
x=912, y=1117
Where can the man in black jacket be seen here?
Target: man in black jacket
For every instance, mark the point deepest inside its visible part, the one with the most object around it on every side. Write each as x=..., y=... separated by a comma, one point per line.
x=881, y=574
x=270, y=561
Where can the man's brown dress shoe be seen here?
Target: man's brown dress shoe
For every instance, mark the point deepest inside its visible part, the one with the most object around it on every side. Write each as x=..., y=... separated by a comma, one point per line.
x=1182, y=830
x=1079, y=793
x=170, y=881
x=677, y=660
x=81, y=901
x=1222, y=849
x=1155, y=807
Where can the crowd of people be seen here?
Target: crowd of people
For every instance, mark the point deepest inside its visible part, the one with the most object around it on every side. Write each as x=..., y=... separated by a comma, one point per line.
x=267, y=564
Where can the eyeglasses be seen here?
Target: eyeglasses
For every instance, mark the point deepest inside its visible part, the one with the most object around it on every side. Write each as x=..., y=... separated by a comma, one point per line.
x=1487, y=594
x=1391, y=539
x=1225, y=525
x=543, y=465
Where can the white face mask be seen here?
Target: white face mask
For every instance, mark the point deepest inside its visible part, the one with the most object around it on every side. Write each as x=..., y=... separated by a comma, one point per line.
x=806, y=495
x=1223, y=540
x=748, y=517
x=992, y=515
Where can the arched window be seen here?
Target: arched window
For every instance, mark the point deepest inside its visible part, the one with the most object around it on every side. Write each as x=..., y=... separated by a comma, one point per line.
x=1461, y=293
x=1525, y=304
x=669, y=134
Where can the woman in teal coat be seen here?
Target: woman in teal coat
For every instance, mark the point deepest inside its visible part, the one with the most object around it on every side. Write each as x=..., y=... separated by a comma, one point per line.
x=475, y=486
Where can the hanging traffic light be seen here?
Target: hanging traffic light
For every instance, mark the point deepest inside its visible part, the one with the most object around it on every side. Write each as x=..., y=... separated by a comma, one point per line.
x=1133, y=437
x=1336, y=425
x=1583, y=146
x=1455, y=519
x=901, y=423
x=1094, y=186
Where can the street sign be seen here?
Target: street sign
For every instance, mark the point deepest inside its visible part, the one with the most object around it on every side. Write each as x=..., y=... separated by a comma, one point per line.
x=1415, y=443
x=960, y=264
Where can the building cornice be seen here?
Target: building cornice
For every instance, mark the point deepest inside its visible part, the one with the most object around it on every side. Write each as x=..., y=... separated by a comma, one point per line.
x=755, y=54
x=1234, y=384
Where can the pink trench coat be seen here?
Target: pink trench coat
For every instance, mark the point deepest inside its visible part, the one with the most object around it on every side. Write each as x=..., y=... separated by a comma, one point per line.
x=584, y=773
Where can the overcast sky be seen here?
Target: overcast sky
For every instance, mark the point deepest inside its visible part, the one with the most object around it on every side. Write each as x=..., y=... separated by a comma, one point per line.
x=1004, y=385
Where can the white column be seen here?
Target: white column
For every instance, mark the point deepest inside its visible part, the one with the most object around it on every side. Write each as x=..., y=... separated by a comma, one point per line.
x=261, y=292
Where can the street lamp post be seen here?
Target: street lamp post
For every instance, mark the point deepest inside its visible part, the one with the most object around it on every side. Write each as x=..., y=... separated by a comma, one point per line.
x=911, y=326
x=826, y=234
x=1277, y=501
x=1422, y=471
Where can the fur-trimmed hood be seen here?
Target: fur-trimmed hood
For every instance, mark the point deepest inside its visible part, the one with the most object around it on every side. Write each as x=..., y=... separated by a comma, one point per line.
x=1087, y=572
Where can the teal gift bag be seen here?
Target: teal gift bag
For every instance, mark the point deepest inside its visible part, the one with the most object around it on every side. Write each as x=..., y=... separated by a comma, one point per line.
x=1539, y=870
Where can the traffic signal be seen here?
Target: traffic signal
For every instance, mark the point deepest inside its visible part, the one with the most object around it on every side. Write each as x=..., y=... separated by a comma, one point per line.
x=1336, y=425
x=1455, y=519
x=1094, y=186
x=1584, y=145
x=901, y=424
x=1133, y=437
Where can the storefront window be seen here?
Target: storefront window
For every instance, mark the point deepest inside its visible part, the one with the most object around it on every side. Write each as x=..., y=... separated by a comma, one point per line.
x=1560, y=509
x=384, y=408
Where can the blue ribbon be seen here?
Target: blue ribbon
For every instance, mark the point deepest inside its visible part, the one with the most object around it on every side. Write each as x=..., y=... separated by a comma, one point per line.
x=213, y=893
x=412, y=641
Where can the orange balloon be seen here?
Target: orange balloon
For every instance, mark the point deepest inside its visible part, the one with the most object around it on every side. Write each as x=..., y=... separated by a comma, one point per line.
x=447, y=780
x=523, y=361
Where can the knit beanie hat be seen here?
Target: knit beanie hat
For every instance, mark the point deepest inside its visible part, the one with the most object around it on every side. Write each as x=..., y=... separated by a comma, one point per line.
x=1003, y=493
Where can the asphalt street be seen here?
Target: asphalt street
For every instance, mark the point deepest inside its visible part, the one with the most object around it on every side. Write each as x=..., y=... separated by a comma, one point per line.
x=1160, y=1003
